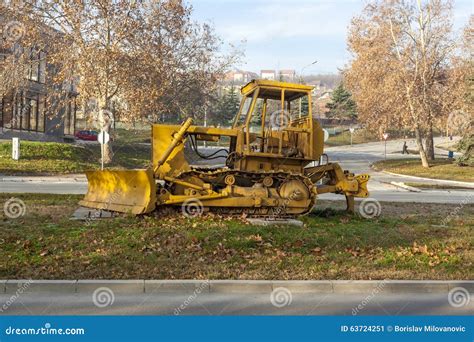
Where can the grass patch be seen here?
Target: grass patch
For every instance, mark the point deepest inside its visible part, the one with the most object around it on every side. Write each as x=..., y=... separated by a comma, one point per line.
x=406, y=242
x=344, y=138
x=59, y=158
x=127, y=136
x=439, y=169
x=45, y=157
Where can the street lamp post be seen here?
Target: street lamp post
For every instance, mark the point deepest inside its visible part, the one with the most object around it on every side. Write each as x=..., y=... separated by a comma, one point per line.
x=306, y=66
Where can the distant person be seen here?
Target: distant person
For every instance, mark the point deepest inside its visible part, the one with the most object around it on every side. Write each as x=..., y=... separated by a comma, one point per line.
x=405, y=148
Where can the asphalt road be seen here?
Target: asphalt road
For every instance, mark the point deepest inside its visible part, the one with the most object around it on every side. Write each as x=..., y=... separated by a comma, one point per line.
x=235, y=304
x=356, y=158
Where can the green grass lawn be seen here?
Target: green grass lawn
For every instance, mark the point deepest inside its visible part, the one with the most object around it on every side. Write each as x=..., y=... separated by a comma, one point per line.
x=58, y=158
x=132, y=136
x=344, y=138
x=406, y=242
x=439, y=169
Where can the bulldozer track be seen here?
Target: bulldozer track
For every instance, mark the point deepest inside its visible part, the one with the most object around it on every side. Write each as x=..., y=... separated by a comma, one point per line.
x=217, y=178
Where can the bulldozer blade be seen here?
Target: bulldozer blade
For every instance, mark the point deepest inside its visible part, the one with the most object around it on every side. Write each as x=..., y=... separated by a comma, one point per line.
x=126, y=191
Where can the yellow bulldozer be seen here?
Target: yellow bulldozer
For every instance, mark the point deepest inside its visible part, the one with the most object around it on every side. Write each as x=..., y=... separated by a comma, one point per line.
x=272, y=163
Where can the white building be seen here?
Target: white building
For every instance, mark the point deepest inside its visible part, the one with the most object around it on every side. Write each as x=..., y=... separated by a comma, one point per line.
x=267, y=74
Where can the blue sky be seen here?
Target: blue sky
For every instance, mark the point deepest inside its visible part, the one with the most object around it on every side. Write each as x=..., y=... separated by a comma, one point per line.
x=290, y=34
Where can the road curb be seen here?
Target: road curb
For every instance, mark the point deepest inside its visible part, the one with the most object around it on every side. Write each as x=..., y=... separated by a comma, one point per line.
x=430, y=286
x=360, y=286
x=39, y=179
x=404, y=186
x=305, y=286
x=235, y=286
x=240, y=286
x=177, y=286
x=466, y=184
x=38, y=286
x=134, y=286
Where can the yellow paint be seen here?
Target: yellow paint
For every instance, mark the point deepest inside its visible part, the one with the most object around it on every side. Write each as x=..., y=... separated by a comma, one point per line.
x=129, y=191
x=265, y=154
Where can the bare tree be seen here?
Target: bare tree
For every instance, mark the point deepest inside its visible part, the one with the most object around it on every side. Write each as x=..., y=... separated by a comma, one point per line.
x=401, y=60
x=147, y=56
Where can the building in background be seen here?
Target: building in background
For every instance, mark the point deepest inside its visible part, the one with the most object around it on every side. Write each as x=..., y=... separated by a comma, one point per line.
x=240, y=76
x=268, y=74
x=287, y=75
x=29, y=111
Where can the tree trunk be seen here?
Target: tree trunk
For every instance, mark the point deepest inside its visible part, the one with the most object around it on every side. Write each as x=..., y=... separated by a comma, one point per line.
x=419, y=143
x=106, y=123
x=108, y=153
x=430, y=144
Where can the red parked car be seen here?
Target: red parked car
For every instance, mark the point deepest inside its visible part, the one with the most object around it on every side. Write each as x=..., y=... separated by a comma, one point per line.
x=87, y=135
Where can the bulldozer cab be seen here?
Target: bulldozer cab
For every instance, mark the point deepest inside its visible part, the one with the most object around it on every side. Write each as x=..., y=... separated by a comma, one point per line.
x=276, y=121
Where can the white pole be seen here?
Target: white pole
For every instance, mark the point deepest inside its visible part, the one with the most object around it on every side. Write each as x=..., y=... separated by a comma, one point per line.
x=102, y=150
x=205, y=121
x=15, y=148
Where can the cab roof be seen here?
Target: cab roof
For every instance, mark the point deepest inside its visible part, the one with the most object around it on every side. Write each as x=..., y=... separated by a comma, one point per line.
x=272, y=89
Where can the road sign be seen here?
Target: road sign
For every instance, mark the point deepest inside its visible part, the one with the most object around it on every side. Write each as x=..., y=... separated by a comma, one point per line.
x=15, y=148
x=103, y=137
x=326, y=134
x=385, y=137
